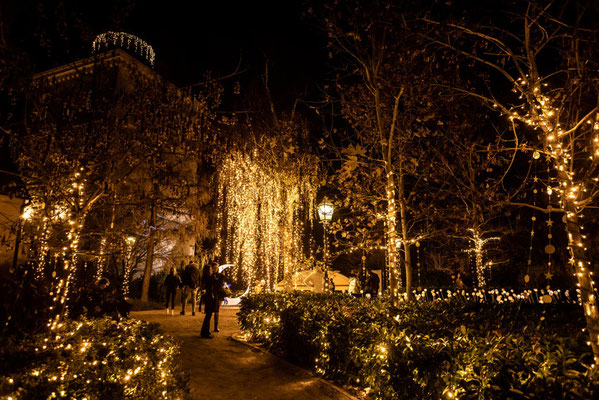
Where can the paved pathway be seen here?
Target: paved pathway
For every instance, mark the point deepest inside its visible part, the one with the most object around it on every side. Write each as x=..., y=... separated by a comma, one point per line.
x=222, y=368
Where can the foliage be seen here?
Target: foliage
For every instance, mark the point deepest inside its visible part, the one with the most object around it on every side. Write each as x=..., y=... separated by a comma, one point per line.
x=384, y=96
x=20, y=299
x=157, y=292
x=266, y=185
x=433, y=349
x=93, y=359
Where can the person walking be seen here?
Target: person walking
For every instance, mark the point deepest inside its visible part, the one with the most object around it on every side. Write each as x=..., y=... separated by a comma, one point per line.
x=209, y=290
x=190, y=282
x=171, y=284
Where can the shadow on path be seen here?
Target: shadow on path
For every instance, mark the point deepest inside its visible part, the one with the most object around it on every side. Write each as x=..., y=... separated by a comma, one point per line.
x=221, y=368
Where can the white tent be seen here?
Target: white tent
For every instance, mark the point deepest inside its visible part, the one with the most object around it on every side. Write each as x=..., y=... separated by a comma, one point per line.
x=299, y=281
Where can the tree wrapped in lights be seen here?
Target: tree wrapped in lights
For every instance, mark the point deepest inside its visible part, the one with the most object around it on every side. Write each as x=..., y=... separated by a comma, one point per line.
x=478, y=248
x=103, y=131
x=266, y=194
x=549, y=57
x=385, y=95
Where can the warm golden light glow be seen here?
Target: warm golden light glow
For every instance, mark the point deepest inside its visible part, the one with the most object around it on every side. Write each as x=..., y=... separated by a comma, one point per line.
x=261, y=214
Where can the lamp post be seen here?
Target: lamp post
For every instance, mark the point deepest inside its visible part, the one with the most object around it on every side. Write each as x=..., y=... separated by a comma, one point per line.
x=25, y=214
x=325, y=214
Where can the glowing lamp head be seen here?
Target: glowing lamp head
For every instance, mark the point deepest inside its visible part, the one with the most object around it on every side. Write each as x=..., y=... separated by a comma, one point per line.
x=27, y=213
x=131, y=240
x=325, y=210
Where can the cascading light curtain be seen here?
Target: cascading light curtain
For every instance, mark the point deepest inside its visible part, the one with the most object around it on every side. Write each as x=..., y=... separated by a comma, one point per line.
x=262, y=212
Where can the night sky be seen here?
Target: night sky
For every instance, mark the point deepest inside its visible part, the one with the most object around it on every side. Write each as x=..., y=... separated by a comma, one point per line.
x=213, y=36
x=189, y=37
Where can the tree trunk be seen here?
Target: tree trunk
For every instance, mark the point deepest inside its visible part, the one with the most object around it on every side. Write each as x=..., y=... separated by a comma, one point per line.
x=581, y=266
x=63, y=283
x=478, y=258
x=407, y=256
x=102, y=258
x=145, y=286
x=15, y=257
x=406, y=238
x=392, y=238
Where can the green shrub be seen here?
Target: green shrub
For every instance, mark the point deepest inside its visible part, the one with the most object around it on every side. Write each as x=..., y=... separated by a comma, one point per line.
x=431, y=349
x=93, y=359
x=157, y=292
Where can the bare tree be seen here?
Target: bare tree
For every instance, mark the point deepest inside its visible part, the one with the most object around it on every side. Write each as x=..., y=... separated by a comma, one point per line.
x=547, y=54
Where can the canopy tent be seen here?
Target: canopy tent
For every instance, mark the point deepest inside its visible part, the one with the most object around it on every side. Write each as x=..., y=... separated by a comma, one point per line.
x=300, y=281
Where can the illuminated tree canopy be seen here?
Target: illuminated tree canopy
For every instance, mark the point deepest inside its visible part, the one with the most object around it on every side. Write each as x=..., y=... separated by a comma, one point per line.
x=265, y=198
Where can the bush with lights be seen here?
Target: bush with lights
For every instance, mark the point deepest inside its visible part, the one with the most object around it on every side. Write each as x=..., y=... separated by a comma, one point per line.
x=449, y=348
x=92, y=359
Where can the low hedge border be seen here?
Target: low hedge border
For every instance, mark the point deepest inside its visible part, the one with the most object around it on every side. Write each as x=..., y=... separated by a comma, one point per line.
x=93, y=359
x=430, y=350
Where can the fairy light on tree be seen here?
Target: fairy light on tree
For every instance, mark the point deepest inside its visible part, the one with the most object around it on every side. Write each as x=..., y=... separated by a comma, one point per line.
x=261, y=214
x=557, y=103
x=129, y=243
x=384, y=95
x=91, y=150
x=479, y=251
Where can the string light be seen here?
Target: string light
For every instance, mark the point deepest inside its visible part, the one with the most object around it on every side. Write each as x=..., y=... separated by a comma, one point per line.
x=129, y=243
x=544, y=114
x=126, y=41
x=261, y=211
x=479, y=252
x=390, y=225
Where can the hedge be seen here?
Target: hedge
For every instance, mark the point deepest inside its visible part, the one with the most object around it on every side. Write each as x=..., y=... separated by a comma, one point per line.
x=92, y=359
x=430, y=350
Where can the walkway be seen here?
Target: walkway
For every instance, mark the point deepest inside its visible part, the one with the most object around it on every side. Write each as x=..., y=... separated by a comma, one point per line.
x=222, y=368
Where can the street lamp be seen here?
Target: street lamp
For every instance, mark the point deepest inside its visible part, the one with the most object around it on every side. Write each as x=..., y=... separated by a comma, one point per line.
x=325, y=214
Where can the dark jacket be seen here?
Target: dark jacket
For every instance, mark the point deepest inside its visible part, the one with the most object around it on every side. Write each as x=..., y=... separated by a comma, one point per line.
x=219, y=283
x=372, y=285
x=172, y=282
x=212, y=284
x=191, y=276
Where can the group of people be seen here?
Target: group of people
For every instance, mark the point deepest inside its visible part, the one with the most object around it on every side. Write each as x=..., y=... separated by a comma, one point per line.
x=358, y=285
x=368, y=286
x=211, y=285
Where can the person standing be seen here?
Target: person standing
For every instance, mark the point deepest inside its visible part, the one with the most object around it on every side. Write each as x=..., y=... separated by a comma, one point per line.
x=209, y=291
x=372, y=284
x=219, y=282
x=353, y=287
x=315, y=280
x=190, y=282
x=171, y=284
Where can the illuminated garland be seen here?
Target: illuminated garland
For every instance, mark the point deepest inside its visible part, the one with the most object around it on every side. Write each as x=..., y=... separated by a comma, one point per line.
x=126, y=41
x=101, y=259
x=395, y=278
